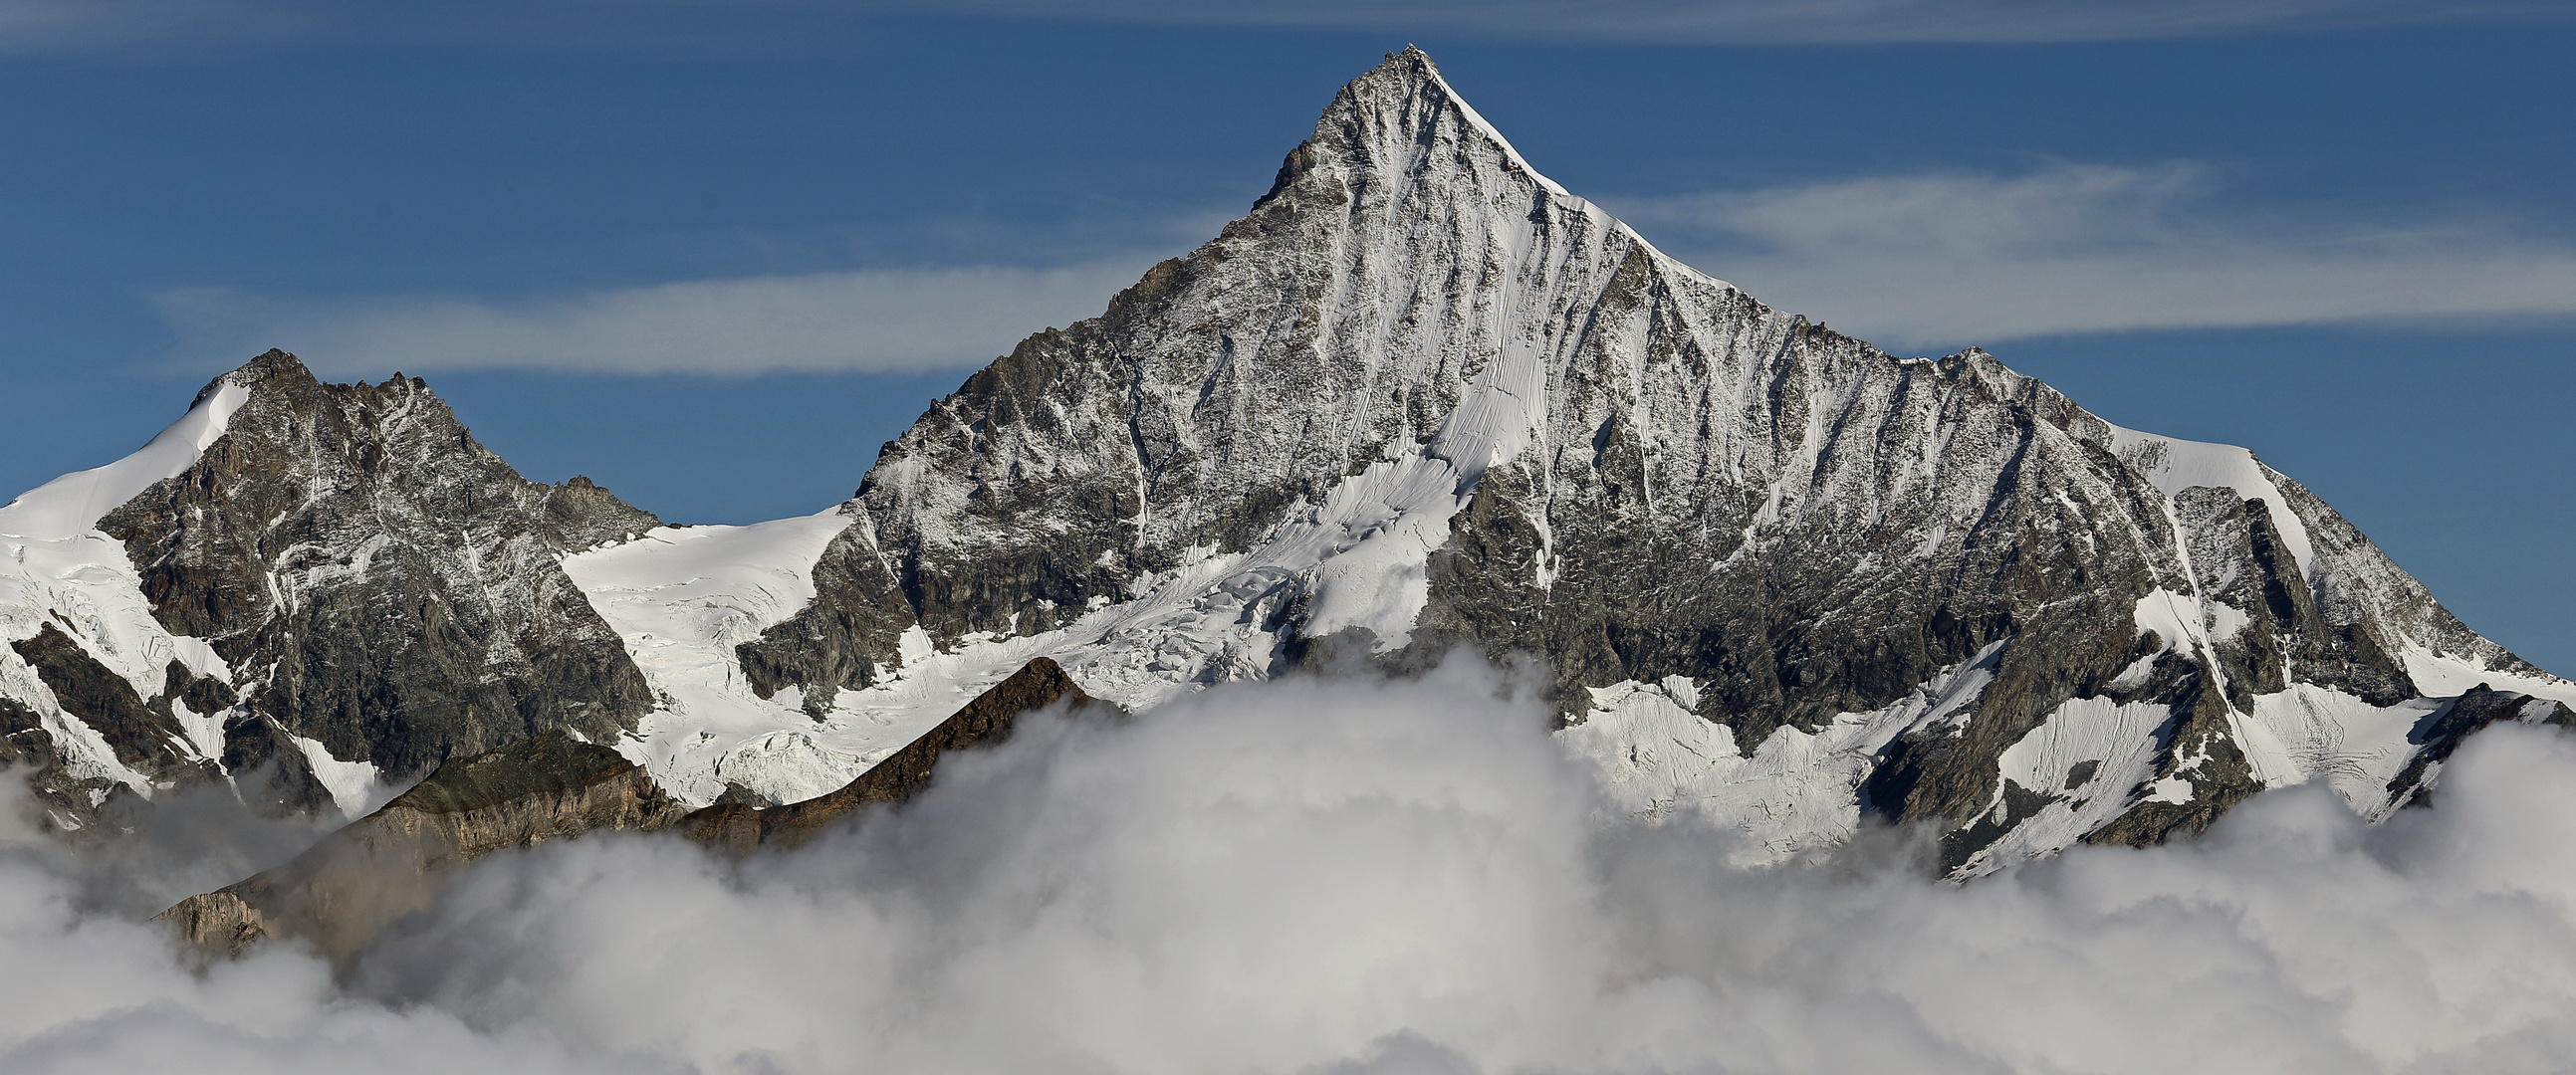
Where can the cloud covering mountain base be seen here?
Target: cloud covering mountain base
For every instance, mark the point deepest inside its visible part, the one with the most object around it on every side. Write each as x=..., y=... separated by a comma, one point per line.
x=1368, y=876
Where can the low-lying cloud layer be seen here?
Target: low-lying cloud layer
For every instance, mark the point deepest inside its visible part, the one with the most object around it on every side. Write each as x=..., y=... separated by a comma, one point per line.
x=1387, y=877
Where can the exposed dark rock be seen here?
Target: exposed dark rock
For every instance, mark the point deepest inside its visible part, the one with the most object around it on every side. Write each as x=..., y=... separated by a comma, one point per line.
x=59, y=804
x=2197, y=748
x=2018, y=804
x=2081, y=773
x=858, y=614
x=2446, y=728
x=2241, y=560
x=141, y=732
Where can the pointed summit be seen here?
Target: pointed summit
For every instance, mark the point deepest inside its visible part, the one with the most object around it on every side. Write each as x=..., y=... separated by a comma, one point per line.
x=1420, y=396
x=1410, y=86
x=1399, y=115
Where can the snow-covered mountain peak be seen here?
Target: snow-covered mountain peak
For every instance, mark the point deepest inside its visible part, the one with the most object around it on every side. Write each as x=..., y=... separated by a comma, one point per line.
x=1421, y=396
x=1406, y=97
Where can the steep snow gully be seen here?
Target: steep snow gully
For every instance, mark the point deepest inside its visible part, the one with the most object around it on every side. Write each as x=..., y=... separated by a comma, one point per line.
x=1421, y=397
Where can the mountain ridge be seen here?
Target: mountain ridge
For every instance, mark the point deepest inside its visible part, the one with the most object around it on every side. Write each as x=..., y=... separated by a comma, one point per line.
x=1418, y=397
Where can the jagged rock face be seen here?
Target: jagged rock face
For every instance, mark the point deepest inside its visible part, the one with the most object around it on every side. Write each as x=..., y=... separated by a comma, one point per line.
x=380, y=582
x=2448, y=727
x=1421, y=397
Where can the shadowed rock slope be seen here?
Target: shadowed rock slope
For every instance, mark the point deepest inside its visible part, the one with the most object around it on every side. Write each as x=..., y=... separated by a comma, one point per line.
x=345, y=890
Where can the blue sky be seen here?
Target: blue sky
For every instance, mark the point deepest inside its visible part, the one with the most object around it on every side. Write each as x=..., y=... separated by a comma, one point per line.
x=713, y=254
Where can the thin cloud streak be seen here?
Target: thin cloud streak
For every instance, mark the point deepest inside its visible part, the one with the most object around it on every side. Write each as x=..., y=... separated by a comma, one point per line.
x=866, y=321
x=1920, y=261
x=1947, y=260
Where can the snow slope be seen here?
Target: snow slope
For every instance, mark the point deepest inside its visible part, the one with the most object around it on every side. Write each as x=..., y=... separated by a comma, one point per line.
x=56, y=567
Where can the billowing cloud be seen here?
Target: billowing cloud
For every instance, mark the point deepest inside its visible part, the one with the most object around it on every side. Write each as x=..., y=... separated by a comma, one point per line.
x=1410, y=877
x=874, y=320
x=1953, y=259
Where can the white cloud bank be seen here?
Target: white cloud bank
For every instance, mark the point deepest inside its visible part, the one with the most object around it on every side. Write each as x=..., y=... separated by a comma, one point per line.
x=1950, y=260
x=1408, y=877
x=876, y=320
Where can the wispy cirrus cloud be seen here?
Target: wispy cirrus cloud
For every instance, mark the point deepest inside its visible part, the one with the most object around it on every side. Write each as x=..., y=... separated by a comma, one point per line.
x=1910, y=261
x=1950, y=259
x=878, y=320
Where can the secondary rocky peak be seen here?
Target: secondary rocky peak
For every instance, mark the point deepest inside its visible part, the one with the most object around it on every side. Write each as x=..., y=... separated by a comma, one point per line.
x=312, y=585
x=388, y=584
